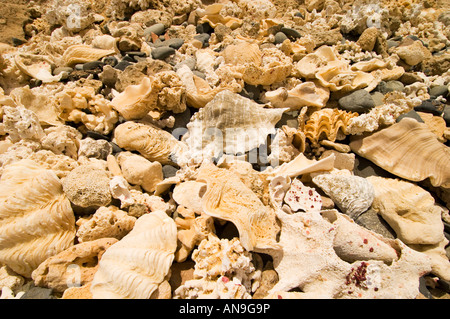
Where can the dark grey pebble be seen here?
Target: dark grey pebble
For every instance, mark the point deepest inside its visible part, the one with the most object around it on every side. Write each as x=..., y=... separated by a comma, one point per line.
x=136, y=53
x=38, y=293
x=411, y=114
x=97, y=136
x=175, y=43
x=169, y=171
x=35, y=83
x=390, y=86
x=162, y=53
x=203, y=38
x=374, y=222
x=446, y=114
x=392, y=44
x=122, y=65
x=204, y=28
x=299, y=14
x=440, y=90
x=190, y=62
x=16, y=41
x=66, y=69
x=94, y=66
x=280, y=37
x=115, y=148
x=128, y=58
x=291, y=33
x=431, y=106
x=359, y=101
x=157, y=29
x=110, y=60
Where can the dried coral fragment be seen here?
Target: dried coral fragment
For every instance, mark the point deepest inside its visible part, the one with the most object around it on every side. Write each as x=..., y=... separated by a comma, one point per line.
x=36, y=219
x=301, y=197
x=134, y=267
x=327, y=124
x=228, y=198
x=407, y=149
x=150, y=141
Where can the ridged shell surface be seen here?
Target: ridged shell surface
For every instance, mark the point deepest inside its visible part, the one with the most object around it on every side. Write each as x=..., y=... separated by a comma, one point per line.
x=134, y=267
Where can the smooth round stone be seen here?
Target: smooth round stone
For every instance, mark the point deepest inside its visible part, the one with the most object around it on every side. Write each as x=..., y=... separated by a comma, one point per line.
x=79, y=67
x=280, y=37
x=128, y=58
x=157, y=29
x=122, y=65
x=162, y=53
x=390, y=86
x=67, y=70
x=204, y=28
x=446, y=114
x=169, y=171
x=291, y=32
x=411, y=114
x=110, y=60
x=189, y=62
x=175, y=43
x=431, y=106
x=93, y=66
x=359, y=101
x=299, y=14
x=440, y=90
x=203, y=38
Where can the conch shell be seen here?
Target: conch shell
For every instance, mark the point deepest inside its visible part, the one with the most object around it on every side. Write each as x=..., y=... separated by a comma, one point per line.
x=231, y=124
x=228, y=198
x=150, y=141
x=134, y=267
x=407, y=149
x=136, y=100
x=36, y=66
x=36, y=218
x=81, y=53
x=327, y=123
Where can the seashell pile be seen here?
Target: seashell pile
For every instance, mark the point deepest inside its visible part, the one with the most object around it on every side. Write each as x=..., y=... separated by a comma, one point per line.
x=228, y=149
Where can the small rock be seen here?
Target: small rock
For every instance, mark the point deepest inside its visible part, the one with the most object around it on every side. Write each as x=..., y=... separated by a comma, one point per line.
x=204, y=28
x=390, y=86
x=446, y=115
x=203, y=38
x=291, y=33
x=368, y=39
x=66, y=70
x=122, y=65
x=409, y=78
x=94, y=67
x=412, y=114
x=128, y=58
x=157, y=29
x=280, y=37
x=430, y=106
x=190, y=62
x=221, y=31
x=110, y=60
x=16, y=41
x=412, y=52
x=374, y=222
x=87, y=186
x=169, y=171
x=108, y=76
x=359, y=101
x=440, y=90
x=38, y=293
x=199, y=74
x=162, y=53
x=299, y=14
x=99, y=149
x=175, y=43
x=392, y=44
x=377, y=98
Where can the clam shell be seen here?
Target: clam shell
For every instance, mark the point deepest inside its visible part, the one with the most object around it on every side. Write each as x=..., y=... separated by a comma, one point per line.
x=352, y=194
x=136, y=100
x=81, y=53
x=327, y=124
x=134, y=267
x=36, y=218
x=36, y=66
x=228, y=198
x=189, y=194
x=150, y=141
x=407, y=149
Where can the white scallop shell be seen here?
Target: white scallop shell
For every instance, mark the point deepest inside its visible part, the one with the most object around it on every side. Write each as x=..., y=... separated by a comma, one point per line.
x=134, y=267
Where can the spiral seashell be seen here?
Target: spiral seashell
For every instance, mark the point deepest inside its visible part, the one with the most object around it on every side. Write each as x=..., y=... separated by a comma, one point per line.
x=134, y=267
x=36, y=218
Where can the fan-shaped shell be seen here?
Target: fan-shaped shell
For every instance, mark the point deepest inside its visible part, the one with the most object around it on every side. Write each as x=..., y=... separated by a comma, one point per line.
x=81, y=53
x=36, y=66
x=231, y=124
x=228, y=198
x=241, y=53
x=134, y=267
x=150, y=141
x=328, y=124
x=407, y=149
x=36, y=218
x=136, y=100
x=352, y=194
